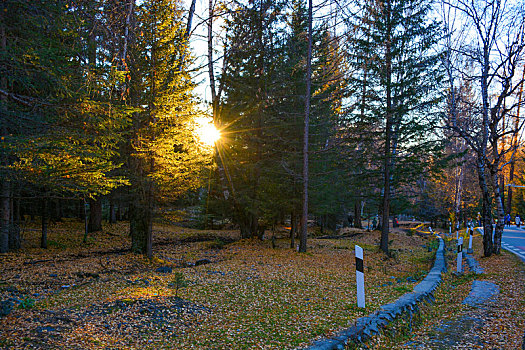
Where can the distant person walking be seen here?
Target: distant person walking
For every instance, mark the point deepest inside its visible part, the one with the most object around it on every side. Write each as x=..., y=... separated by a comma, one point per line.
x=507, y=220
x=517, y=220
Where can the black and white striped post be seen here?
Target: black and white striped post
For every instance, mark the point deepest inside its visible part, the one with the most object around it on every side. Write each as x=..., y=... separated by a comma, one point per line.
x=360, y=276
x=460, y=254
x=471, y=235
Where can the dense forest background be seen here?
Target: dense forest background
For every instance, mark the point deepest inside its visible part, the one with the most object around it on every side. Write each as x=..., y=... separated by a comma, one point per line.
x=359, y=112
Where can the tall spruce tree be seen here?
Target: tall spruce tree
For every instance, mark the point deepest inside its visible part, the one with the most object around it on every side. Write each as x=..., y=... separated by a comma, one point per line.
x=288, y=118
x=165, y=155
x=328, y=171
x=247, y=109
x=391, y=49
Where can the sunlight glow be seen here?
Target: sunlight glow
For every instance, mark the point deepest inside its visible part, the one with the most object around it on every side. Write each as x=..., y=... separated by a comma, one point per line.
x=207, y=132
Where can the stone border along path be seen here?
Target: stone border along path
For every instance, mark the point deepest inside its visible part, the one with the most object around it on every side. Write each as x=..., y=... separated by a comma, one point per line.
x=473, y=264
x=368, y=325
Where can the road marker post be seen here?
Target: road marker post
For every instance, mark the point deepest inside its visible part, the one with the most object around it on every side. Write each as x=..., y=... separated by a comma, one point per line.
x=360, y=276
x=460, y=255
x=470, y=250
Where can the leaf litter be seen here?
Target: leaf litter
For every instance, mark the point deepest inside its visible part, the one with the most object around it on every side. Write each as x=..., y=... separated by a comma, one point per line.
x=249, y=295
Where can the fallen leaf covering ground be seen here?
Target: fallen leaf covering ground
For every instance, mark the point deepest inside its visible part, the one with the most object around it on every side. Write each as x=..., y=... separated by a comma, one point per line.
x=249, y=295
x=502, y=323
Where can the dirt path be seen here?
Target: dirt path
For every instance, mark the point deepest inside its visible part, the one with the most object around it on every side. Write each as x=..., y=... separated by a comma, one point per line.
x=462, y=332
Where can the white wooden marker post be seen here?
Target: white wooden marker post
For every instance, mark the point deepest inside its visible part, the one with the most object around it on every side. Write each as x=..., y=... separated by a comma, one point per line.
x=460, y=254
x=450, y=228
x=360, y=276
x=470, y=251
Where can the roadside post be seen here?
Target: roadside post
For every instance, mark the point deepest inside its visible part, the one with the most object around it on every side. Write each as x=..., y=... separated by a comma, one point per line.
x=460, y=255
x=449, y=228
x=471, y=235
x=360, y=276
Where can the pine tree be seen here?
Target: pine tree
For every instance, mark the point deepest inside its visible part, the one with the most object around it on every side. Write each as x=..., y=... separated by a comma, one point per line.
x=328, y=171
x=165, y=155
x=247, y=110
x=393, y=52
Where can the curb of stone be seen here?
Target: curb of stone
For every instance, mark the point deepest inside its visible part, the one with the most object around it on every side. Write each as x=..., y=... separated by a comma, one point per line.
x=369, y=325
x=473, y=265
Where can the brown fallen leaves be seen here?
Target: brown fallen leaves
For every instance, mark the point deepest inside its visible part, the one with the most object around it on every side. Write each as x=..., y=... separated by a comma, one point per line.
x=250, y=296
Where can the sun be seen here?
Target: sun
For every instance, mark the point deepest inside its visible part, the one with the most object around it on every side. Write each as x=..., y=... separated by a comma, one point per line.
x=207, y=132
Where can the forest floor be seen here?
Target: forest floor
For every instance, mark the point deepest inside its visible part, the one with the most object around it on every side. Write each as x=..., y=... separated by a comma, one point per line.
x=241, y=294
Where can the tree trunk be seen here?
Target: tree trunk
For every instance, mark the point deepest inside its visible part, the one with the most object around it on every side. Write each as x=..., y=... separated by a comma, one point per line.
x=44, y=214
x=187, y=32
x=85, y=219
x=112, y=212
x=140, y=223
x=124, y=51
x=4, y=215
x=357, y=214
x=293, y=229
x=79, y=210
x=245, y=230
x=388, y=136
x=211, y=72
x=57, y=212
x=261, y=229
x=247, y=222
x=486, y=216
x=458, y=175
x=149, y=233
x=118, y=214
x=500, y=225
x=14, y=227
x=482, y=158
x=32, y=212
x=304, y=218
x=95, y=215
